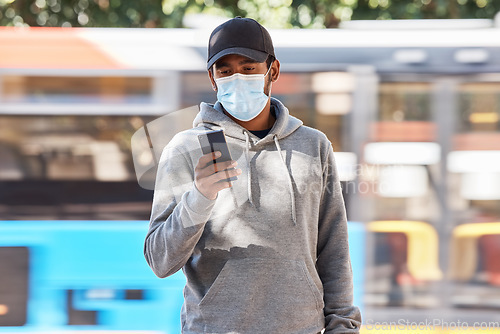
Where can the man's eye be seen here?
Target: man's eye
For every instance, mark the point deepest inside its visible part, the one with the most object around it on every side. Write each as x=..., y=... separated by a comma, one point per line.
x=224, y=72
x=249, y=69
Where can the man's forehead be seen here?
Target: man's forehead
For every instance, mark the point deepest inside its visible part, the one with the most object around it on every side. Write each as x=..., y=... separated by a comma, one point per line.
x=235, y=58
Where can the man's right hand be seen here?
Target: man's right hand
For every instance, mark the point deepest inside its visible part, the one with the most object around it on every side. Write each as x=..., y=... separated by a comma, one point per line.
x=207, y=174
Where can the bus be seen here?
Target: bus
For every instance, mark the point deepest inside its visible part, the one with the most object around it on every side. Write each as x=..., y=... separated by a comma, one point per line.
x=412, y=109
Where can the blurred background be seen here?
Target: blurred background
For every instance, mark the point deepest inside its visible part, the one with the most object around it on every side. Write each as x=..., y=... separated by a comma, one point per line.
x=91, y=90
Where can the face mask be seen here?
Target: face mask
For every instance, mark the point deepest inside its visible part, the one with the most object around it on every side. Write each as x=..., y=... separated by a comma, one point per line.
x=242, y=95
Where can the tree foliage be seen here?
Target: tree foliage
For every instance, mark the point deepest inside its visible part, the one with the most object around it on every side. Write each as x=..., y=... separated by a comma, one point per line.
x=272, y=13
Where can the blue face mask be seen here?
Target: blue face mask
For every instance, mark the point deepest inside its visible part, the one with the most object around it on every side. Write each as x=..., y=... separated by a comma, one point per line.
x=242, y=95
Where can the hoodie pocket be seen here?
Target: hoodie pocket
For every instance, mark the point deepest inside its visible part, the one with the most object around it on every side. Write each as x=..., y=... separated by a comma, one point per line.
x=263, y=296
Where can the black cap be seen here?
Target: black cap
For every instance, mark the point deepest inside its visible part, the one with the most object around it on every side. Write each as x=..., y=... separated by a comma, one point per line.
x=242, y=36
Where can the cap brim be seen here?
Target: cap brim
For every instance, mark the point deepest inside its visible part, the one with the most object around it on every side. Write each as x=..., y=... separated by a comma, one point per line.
x=258, y=56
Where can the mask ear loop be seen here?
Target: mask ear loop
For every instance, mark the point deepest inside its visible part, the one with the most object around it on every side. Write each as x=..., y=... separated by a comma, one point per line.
x=270, y=81
x=265, y=75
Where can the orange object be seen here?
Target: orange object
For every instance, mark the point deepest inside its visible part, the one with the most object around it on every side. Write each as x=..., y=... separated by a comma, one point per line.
x=51, y=48
x=411, y=131
x=490, y=246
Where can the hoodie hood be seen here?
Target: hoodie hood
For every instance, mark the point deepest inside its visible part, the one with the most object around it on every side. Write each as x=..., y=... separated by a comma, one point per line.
x=213, y=117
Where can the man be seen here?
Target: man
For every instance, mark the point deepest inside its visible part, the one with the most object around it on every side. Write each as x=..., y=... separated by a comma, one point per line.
x=266, y=253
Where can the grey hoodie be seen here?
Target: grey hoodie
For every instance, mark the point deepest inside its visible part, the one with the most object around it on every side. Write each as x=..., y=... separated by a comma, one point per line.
x=268, y=255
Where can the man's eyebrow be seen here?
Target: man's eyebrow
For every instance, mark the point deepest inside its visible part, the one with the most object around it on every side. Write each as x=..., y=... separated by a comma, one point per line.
x=221, y=64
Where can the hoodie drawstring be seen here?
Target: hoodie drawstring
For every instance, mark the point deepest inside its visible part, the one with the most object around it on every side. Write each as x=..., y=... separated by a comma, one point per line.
x=290, y=184
x=247, y=155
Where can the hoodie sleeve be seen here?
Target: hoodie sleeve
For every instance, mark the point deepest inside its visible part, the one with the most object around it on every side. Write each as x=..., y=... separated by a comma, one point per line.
x=178, y=216
x=333, y=261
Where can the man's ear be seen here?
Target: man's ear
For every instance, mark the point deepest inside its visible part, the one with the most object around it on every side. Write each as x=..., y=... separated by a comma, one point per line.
x=275, y=70
x=212, y=81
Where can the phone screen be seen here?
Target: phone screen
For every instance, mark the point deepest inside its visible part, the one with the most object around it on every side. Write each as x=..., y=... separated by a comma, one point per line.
x=213, y=141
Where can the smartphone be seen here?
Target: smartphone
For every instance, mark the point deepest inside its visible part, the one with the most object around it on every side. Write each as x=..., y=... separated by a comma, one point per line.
x=213, y=141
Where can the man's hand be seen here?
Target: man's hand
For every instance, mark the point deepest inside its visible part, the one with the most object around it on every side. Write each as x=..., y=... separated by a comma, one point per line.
x=208, y=175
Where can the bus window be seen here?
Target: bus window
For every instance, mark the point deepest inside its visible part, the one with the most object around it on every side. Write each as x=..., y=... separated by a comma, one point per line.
x=402, y=153
x=69, y=147
x=474, y=163
x=70, y=167
x=75, y=89
x=404, y=113
x=196, y=88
